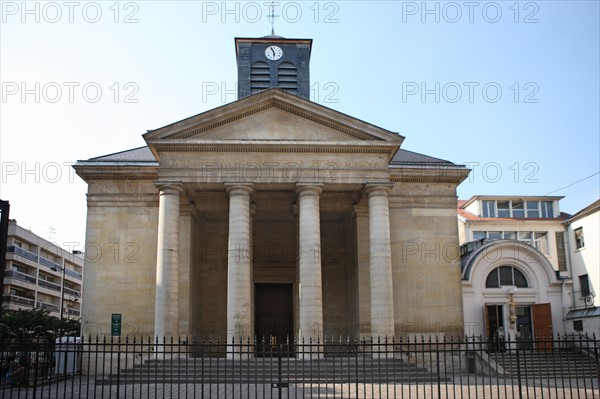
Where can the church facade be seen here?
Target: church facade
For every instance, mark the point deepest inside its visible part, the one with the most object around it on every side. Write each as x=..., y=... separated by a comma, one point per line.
x=272, y=216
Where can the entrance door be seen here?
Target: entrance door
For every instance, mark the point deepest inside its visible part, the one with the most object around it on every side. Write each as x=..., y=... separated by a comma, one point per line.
x=524, y=327
x=494, y=317
x=542, y=326
x=274, y=316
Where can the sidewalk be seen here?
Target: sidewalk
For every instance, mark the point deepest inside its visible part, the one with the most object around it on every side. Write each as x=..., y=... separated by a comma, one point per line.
x=86, y=388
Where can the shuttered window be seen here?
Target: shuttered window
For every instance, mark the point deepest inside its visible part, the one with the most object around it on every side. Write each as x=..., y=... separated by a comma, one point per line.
x=260, y=78
x=287, y=77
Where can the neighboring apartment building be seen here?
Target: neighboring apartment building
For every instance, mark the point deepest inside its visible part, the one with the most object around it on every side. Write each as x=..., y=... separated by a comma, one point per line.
x=514, y=266
x=40, y=274
x=583, y=230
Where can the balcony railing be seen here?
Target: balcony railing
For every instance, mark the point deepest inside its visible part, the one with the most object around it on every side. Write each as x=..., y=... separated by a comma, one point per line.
x=70, y=292
x=73, y=312
x=582, y=299
x=48, y=263
x=19, y=299
x=20, y=276
x=22, y=252
x=73, y=273
x=48, y=306
x=49, y=285
x=43, y=261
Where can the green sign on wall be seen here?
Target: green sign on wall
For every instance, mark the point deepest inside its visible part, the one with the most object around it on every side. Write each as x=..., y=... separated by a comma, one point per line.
x=115, y=323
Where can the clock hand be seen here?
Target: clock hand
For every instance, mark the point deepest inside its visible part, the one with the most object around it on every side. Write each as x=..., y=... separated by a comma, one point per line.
x=273, y=50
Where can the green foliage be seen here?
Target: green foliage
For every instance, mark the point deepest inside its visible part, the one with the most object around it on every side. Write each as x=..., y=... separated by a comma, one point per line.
x=35, y=325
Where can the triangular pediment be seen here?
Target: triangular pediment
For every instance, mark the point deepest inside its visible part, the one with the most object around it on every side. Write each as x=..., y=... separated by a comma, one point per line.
x=275, y=116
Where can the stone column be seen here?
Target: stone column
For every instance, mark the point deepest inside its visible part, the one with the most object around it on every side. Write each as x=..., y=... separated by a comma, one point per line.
x=166, y=308
x=309, y=264
x=240, y=325
x=380, y=260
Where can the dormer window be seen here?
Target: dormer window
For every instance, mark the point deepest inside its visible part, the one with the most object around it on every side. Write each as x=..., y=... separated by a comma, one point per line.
x=516, y=209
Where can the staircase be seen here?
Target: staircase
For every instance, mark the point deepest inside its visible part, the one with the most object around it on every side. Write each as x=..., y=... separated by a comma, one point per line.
x=552, y=364
x=361, y=369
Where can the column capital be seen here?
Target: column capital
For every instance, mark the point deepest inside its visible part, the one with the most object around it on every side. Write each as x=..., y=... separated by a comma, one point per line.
x=374, y=189
x=239, y=189
x=174, y=187
x=309, y=189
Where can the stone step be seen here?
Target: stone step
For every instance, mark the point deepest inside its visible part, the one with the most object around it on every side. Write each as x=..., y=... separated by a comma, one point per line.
x=218, y=370
x=542, y=364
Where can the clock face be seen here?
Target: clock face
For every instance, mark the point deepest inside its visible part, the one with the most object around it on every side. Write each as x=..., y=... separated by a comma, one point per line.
x=273, y=52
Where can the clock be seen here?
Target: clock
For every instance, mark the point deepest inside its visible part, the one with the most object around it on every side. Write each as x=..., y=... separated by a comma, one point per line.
x=273, y=53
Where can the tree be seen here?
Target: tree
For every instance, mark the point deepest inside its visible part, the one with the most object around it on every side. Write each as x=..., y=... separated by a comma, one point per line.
x=31, y=325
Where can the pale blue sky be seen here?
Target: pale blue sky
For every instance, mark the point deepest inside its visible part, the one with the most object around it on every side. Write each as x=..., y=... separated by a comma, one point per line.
x=368, y=60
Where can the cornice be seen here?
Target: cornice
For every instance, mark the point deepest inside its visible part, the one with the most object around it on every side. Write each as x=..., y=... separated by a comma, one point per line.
x=454, y=175
x=116, y=171
x=239, y=146
x=116, y=176
x=424, y=180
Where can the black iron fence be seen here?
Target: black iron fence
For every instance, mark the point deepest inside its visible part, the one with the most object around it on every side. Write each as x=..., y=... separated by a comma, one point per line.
x=427, y=366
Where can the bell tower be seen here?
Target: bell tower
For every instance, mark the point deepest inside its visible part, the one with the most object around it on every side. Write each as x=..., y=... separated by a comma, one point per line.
x=273, y=61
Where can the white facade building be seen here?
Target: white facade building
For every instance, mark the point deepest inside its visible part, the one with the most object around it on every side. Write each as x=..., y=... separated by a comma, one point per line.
x=583, y=231
x=514, y=265
x=40, y=274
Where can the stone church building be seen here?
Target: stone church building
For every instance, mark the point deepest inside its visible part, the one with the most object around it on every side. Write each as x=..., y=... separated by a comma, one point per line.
x=272, y=216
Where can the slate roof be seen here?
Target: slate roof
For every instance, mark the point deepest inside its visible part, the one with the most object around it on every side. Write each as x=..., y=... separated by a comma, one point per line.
x=143, y=154
x=588, y=209
x=140, y=154
x=405, y=157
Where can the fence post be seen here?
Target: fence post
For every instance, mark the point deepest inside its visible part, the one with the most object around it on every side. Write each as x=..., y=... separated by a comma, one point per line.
x=118, y=364
x=279, y=392
x=35, y=369
x=519, y=372
x=437, y=361
x=596, y=344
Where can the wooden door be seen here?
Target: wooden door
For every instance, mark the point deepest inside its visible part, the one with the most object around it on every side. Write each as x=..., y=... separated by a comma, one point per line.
x=542, y=326
x=274, y=317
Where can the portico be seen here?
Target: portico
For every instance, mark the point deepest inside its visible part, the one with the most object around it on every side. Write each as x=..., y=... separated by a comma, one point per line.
x=292, y=202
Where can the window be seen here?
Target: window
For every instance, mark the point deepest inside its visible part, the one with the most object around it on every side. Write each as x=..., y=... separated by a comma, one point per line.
x=579, y=243
x=540, y=242
x=503, y=209
x=478, y=235
x=287, y=77
x=506, y=276
x=584, y=283
x=524, y=236
x=260, y=77
x=489, y=209
x=532, y=209
x=510, y=235
x=578, y=325
x=547, y=209
x=517, y=209
x=537, y=239
x=495, y=235
x=560, y=250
